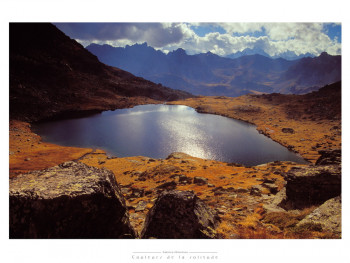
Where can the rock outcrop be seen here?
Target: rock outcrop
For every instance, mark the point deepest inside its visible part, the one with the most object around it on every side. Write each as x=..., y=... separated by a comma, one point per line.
x=200, y=180
x=329, y=157
x=328, y=215
x=312, y=185
x=287, y=130
x=274, y=204
x=71, y=200
x=256, y=190
x=179, y=214
x=183, y=179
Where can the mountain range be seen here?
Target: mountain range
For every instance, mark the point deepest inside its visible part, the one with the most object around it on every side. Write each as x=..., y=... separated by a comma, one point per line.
x=289, y=55
x=51, y=74
x=210, y=74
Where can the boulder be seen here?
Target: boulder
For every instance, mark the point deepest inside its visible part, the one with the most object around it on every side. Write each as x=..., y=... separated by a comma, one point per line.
x=312, y=185
x=159, y=171
x=135, y=192
x=269, y=180
x=178, y=155
x=168, y=185
x=247, y=108
x=274, y=204
x=200, y=180
x=256, y=190
x=179, y=214
x=183, y=179
x=328, y=215
x=241, y=190
x=141, y=206
x=71, y=200
x=273, y=188
x=287, y=130
x=329, y=157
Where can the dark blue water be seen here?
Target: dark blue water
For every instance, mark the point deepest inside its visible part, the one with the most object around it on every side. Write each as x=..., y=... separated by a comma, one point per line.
x=158, y=130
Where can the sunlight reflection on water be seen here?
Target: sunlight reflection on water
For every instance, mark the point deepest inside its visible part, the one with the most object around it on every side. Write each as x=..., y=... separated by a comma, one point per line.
x=158, y=130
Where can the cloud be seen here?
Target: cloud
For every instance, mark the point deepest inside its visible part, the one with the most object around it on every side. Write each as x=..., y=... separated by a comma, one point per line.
x=303, y=31
x=155, y=34
x=273, y=38
x=241, y=28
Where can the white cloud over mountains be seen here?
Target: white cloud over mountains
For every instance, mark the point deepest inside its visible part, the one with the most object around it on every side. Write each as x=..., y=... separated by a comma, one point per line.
x=272, y=38
x=156, y=34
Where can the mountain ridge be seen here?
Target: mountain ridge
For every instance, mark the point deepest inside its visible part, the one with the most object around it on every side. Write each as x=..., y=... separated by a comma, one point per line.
x=210, y=74
x=288, y=55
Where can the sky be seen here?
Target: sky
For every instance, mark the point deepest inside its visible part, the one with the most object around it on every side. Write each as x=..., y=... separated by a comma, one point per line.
x=219, y=38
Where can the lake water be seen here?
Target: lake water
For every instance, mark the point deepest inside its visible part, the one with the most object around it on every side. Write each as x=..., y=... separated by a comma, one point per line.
x=158, y=130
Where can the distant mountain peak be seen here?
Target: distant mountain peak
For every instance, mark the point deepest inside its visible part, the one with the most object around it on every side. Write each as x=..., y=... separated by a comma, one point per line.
x=179, y=51
x=144, y=44
x=324, y=54
x=289, y=55
x=139, y=46
x=209, y=53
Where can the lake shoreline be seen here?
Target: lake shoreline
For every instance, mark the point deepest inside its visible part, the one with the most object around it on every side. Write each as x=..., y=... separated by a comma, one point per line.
x=167, y=129
x=305, y=134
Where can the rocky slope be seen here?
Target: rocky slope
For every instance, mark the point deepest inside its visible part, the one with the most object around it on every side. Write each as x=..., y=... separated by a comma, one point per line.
x=309, y=74
x=51, y=74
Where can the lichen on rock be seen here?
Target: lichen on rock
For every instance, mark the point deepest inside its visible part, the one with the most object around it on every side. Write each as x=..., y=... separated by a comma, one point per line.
x=71, y=200
x=328, y=215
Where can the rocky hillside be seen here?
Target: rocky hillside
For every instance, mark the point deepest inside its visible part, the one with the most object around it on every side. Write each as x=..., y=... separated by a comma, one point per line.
x=51, y=74
x=309, y=74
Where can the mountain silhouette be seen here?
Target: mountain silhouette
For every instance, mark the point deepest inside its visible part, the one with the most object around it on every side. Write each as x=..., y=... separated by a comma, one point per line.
x=289, y=55
x=210, y=74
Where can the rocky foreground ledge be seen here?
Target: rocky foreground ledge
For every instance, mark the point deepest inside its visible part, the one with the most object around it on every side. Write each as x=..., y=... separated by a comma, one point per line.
x=71, y=200
x=75, y=200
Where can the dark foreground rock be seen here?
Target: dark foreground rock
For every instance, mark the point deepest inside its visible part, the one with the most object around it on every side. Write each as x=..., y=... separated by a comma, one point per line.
x=329, y=157
x=328, y=216
x=71, y=200
x=179, y=214
x=312, y=185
